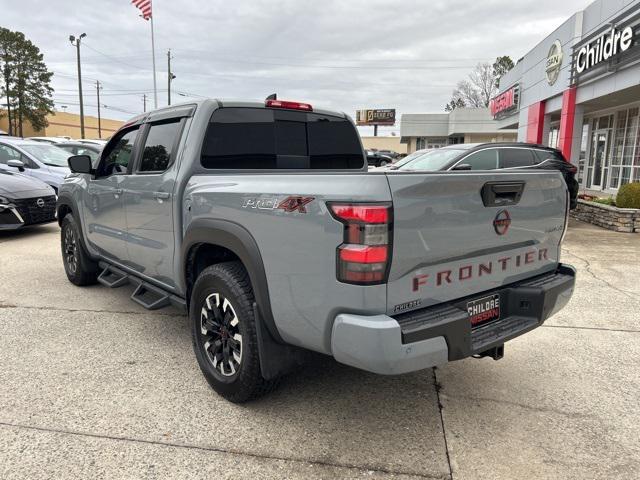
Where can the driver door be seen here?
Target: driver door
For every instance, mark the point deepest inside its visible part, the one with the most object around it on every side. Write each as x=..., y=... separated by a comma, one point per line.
x=103, y=203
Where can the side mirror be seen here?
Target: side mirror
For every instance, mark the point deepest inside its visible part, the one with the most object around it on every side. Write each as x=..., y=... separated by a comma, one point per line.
x=462, y=166
x=80, y=164
x=19, y=164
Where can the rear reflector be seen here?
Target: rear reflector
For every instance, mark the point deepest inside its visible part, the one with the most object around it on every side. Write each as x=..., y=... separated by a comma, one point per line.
x=288, y=105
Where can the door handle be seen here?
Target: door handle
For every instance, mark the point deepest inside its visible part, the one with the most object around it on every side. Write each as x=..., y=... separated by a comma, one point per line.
x=161, y=195
x=117, y=192
x=496, y=194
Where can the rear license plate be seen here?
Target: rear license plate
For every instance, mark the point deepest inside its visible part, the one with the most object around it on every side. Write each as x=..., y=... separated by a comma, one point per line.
x=484, y=310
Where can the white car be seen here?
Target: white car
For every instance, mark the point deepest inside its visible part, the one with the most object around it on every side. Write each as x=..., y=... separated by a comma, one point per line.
x=50, y=140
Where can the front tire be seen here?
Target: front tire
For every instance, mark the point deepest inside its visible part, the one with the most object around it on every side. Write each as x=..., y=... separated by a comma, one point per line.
x=224, y=333
x=80, y=268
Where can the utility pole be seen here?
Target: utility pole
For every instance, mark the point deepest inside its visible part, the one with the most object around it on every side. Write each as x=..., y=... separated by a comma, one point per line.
x=98, y=87
x=76, y=43
x=170, y=77
x=144, y=102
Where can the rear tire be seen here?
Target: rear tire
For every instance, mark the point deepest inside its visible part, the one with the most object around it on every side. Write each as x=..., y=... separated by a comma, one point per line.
x=80, y=268
x=224, y=333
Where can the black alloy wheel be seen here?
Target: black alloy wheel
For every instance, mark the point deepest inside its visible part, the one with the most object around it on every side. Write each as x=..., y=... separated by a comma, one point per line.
x=220, y=334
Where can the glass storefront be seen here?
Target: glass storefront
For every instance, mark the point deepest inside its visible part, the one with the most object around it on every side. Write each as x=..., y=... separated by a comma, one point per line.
x=614, y=154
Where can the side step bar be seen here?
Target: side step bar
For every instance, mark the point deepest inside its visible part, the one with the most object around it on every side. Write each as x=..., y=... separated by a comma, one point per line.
x=113, y=278
x=145, y=294
x=150, y=297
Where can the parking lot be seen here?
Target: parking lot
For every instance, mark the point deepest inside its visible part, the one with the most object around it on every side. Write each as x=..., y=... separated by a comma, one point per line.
x=93, y=385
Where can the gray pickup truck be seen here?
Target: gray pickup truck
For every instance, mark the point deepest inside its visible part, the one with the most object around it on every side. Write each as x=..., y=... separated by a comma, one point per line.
x=261, y=221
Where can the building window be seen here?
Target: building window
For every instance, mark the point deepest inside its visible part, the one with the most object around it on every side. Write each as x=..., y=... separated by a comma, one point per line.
x=624, y=146
x=553, y=137
x=584, y=142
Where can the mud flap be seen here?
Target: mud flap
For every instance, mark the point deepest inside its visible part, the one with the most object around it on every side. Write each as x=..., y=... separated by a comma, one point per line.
x=276, y=359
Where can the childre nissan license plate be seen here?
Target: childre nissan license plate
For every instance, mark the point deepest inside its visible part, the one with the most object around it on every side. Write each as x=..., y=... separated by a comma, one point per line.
x=484, y=310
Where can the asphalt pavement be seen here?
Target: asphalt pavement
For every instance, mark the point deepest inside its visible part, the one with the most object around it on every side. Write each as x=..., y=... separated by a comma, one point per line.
x=92, y=385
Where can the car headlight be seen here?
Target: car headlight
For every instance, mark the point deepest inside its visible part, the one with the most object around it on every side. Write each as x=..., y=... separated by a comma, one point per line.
x=4, y=201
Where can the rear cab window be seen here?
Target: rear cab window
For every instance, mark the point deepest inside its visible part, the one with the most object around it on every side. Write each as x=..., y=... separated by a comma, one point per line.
x=262, y=138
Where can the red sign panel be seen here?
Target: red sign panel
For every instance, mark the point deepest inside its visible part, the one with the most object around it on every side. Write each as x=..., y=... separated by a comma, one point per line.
x=504, y=102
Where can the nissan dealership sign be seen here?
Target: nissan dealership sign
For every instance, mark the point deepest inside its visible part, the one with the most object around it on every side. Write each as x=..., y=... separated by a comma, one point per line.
x=505, y=103
x=554, y=62
x=604, y=47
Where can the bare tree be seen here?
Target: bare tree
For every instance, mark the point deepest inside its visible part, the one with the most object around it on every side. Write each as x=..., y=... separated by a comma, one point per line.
x=481, y=85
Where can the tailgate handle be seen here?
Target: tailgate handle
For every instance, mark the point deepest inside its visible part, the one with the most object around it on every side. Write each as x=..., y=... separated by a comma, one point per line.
x=497, y=194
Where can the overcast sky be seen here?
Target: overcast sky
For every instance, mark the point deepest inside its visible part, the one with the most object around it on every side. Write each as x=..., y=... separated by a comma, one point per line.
x=343, y=55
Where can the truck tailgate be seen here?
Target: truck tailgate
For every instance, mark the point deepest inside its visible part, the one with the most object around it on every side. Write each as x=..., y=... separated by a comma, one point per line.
x=458, y=234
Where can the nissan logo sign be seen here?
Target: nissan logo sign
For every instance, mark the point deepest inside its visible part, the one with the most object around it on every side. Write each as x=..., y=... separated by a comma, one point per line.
x=502, y=222
x=40, y=202
x=554, y=62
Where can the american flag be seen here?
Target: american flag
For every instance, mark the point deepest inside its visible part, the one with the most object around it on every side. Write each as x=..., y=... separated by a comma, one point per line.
x=144, y=6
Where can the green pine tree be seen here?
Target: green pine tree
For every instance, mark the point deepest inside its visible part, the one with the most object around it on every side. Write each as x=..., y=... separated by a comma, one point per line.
x=24, y=82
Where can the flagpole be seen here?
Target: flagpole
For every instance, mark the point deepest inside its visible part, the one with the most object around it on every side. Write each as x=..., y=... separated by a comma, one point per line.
x=153, y=53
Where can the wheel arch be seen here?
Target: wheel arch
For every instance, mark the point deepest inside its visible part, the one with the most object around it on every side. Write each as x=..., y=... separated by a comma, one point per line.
x=64, y=206
x=224, y=240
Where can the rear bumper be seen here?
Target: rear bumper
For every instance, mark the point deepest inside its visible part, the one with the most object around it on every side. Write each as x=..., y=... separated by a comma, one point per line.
x=435, y=335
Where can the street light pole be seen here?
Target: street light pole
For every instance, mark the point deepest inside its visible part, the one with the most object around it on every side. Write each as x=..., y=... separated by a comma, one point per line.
x=170, y=77
x=76, y=43
x=98, y=87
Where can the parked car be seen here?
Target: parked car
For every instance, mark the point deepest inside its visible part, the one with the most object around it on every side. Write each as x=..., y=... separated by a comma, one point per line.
x=287, y=243
x=495, y=156
x=389, y=153
x=49, y=140
x=99, y=142
x=401, y=161
x=24, y=201
x=375, y=159
x=39, y=160
x=81, y=148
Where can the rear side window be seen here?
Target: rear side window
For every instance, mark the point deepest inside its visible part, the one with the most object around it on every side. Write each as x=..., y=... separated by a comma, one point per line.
x=483, y=160
x=516, y=157
x=548, y=154
x=159, y=146
x=260, y=138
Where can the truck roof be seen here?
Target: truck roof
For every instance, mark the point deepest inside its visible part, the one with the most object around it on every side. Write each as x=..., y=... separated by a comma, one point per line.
x=223, y=103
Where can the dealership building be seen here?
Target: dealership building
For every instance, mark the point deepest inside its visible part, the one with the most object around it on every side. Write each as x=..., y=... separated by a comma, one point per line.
x=462, y=125
x=579, y=90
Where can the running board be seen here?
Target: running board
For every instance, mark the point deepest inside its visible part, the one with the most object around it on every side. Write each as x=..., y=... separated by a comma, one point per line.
x=145, y=294
x=112, y=277
x=150, y=297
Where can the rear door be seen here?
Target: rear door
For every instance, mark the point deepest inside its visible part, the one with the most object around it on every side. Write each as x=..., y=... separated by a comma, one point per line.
x=148, y=201
x=449, y=242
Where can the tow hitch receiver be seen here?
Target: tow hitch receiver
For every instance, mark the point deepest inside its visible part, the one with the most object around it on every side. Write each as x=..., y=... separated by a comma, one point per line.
x=496, y=353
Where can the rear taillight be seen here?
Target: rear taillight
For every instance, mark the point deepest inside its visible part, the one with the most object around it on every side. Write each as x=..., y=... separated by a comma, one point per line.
x=288, y=105
x=364, y=256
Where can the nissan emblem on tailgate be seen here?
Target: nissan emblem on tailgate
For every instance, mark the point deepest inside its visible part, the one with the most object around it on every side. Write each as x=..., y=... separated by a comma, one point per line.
x=501, y=222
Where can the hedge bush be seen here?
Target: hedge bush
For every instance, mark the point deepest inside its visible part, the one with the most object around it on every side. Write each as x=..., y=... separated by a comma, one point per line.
x=629, y=196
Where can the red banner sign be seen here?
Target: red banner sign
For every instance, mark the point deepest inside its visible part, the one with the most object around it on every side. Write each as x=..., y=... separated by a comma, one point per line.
x=507, y=100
